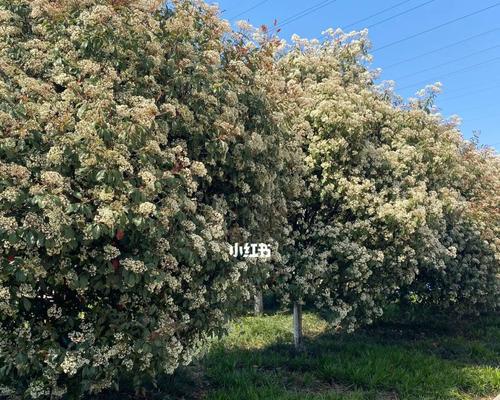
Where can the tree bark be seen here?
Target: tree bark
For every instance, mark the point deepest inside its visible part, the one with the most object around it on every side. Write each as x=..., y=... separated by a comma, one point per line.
x=259, y=304
x=297, y=326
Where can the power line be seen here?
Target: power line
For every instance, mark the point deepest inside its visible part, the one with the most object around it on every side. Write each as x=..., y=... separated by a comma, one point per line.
x=480, y=107
x=401, y=13
x=440, y=49
x=436, y=27
x=304, y=13
x=258, y=4
x=447, y=63
x=453, y=72
x=306, y=10
x=482, y=117
x=470, y=92
x=376, y=14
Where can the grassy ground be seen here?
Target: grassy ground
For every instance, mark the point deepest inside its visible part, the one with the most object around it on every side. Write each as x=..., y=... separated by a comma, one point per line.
x=390, y=361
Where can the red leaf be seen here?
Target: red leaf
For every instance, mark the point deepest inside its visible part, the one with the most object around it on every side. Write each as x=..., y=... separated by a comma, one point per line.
x=120, y=234
x=177, y=168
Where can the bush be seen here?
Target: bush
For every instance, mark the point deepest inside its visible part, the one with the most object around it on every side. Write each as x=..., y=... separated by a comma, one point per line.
x=384, y=205
x=136, y=142
x=139, y=141
x=460, y=273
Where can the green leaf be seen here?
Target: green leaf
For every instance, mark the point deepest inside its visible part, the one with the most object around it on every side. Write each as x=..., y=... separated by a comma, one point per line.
x=96, y=232
x=101, y=176
x=20, y=277
x=26, y=304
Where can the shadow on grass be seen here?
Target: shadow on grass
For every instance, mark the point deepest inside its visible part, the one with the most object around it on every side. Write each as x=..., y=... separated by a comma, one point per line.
x=391, y=360
x=474, y=342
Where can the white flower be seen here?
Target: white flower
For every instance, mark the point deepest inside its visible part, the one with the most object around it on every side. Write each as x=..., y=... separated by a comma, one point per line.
x=111, y=252
x=54, y=312
x=147, y=208
x=72, y=362
x=198, y=169
x=135, y=266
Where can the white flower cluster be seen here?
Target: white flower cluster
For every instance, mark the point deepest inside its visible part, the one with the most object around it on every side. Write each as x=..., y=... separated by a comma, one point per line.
x=54, y=312
x=381, y=186
x=146, y=208
x=140, y=144
x=135, y=266
x=72, y=362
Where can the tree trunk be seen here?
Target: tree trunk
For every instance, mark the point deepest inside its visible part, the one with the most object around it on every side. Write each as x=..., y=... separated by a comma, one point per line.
x=259, y=304
x=297, y=326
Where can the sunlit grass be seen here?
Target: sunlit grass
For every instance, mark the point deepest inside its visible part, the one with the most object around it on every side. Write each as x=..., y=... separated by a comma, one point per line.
x=392, y=360
x=256, y=361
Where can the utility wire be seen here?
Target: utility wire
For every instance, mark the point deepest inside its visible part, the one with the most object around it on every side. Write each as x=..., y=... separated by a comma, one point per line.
x=436, y=27
x=447, y=63
x=470, y=92
x=257, y=5
x=440, y=49
x=375, y=15
x=304, y=13
x=306, y=10
x=482, y=117
x=301, y=12
x=480, y=107
x=453, y=72
x=399, y=14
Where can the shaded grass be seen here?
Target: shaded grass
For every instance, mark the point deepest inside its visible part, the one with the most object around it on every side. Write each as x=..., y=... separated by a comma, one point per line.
x=393, y=360
x=387, y=361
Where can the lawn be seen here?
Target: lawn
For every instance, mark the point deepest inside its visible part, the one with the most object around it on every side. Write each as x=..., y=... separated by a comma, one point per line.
x=390, y=360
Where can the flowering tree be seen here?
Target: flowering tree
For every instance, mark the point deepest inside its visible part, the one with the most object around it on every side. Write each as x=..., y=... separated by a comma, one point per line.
x=459, y=271
x=382, y=199
x=135, y=144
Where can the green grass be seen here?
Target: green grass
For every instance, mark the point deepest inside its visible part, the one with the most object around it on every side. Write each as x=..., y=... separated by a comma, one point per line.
x=390, y=361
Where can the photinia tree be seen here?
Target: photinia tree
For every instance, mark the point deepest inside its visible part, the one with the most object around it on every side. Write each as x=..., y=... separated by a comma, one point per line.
x=137, y=142
x=459, y=273
x=383, y=201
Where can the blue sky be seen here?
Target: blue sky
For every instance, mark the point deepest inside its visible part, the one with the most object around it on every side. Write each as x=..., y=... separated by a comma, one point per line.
x=469, y=71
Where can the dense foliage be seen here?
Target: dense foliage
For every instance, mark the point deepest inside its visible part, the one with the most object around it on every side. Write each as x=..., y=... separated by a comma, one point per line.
x=396, y=203
x=459, y=270
x=135, y=144
x=138, y=142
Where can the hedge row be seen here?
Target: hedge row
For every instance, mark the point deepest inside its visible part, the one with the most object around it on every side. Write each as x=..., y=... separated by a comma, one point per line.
x=138, y=142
